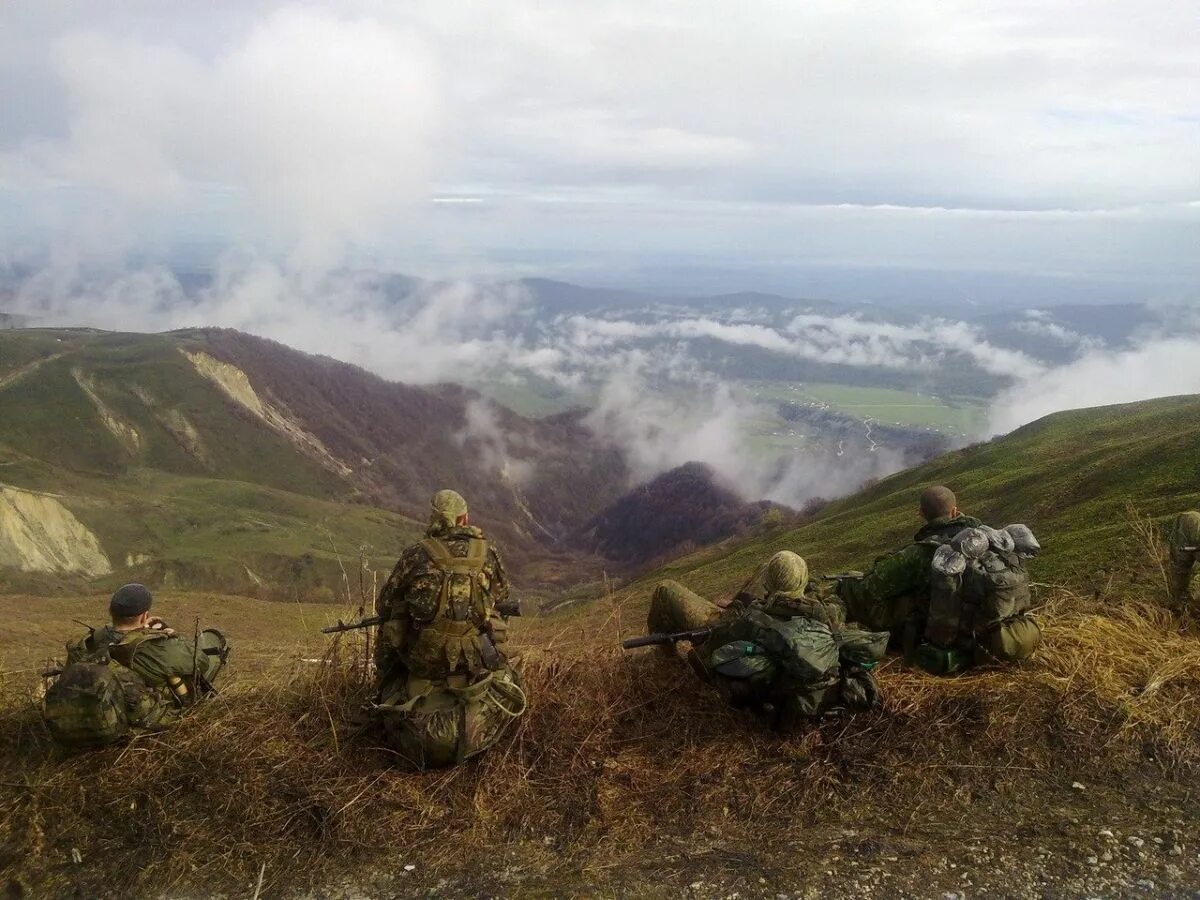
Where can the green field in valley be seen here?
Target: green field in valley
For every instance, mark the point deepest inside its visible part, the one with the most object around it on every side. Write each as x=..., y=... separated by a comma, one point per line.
x=904, y=409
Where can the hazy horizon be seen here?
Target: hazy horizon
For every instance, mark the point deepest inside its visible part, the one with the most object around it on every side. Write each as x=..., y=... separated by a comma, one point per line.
x=915, y=153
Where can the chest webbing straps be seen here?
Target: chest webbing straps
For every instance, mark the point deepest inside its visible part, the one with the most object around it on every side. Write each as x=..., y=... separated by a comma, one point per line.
x=470, y=566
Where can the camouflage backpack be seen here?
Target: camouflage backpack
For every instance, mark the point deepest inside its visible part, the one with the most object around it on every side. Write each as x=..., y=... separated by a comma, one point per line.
x=90, y=704
x=796, y=662
x=96, y=701
x=980, y=597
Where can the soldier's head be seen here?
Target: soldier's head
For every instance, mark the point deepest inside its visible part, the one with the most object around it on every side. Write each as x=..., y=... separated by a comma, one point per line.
x=938, y=502
x=448, y=510
x=786, y=574
x=130, y=606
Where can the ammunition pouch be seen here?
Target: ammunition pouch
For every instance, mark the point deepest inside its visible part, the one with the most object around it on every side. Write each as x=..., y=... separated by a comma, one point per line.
x=444, y=646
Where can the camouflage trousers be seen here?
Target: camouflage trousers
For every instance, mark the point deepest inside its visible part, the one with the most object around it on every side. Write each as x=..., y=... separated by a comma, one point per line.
x=674, y=608
x=434, y=724
x=1184, y=544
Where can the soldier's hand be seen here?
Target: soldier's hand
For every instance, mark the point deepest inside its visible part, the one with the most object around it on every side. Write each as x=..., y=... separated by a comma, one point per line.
x=157, y=624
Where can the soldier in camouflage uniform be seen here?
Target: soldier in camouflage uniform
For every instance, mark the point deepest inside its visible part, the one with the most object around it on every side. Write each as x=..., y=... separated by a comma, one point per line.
x=1184, y=546
x=896, y=589
x=957, y=596
x=161, y=673
x=775, y=648
x=446, y=690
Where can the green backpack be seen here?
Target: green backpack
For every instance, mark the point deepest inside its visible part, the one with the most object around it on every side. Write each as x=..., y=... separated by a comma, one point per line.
x=797, y=664
x=980, y=597
x=89, y=705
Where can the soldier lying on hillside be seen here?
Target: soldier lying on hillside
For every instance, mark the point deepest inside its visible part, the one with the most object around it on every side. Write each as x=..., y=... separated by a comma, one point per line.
x=133, y=675
x=1185, y=544
x=958, y=595
x=446, y=690
x=784, y=654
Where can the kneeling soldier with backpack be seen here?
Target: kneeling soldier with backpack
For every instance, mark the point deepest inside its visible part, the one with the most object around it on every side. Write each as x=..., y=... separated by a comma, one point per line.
x=131, y=676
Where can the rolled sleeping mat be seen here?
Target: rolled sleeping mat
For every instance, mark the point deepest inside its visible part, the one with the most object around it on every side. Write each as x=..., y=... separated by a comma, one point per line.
x=1001, y=540
x=948, y=561
x=1023, y=540
x=972, y=543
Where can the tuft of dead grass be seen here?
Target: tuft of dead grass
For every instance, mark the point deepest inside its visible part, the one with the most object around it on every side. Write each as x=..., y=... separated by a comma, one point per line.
x=617, y=754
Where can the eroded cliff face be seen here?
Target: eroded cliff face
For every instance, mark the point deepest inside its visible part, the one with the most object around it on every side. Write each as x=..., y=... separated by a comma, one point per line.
x=39, y=534
x=236, y=385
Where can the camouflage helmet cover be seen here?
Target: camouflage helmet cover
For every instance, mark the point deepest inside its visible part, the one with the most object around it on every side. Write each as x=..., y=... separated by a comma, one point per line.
x=786, y=573
x=447, y=507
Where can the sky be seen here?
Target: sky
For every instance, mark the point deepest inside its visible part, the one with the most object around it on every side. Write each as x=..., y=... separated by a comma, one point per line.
x=907, y=152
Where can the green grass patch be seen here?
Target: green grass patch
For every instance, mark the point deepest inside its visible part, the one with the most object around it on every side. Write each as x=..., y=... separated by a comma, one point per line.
x=905, y=409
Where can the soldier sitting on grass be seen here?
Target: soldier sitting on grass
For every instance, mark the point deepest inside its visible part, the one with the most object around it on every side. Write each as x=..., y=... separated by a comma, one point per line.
x=133, y=675
x=958, y=595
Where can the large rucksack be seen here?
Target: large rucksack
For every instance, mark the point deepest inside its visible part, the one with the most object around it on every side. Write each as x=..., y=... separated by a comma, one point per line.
x=979, y=595
x=97, y=700
x=797, y=664
x=93, y=704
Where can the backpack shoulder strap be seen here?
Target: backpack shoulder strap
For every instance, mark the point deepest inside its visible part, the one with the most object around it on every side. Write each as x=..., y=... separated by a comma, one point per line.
x=123, y=651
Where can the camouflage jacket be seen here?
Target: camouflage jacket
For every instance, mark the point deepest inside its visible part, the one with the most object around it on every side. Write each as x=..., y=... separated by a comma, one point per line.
x=417, y=638
x=898, y=584
x=824, y=609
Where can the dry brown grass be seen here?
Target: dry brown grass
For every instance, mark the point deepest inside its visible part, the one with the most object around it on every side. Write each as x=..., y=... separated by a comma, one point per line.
x=617, y=753
x=1152, y=540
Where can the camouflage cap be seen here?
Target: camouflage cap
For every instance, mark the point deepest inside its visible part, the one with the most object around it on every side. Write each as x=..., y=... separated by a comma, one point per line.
x=786, y=573
x=447, y=506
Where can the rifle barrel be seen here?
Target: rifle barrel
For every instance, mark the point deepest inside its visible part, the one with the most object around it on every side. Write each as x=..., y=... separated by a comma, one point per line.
x=648, y=640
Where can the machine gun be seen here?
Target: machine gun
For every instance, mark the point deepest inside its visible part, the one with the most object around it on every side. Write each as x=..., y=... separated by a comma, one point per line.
x=663, y=639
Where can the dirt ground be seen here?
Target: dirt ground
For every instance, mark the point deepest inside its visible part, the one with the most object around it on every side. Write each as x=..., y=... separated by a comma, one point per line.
x=1041, y=840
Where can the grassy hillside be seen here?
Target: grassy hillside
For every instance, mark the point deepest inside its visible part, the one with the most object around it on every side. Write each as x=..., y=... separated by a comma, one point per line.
x=180, y=486
x=1071, y=477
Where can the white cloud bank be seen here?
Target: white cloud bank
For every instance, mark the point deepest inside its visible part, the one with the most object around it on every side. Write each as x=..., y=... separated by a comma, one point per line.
x=1159, y=367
